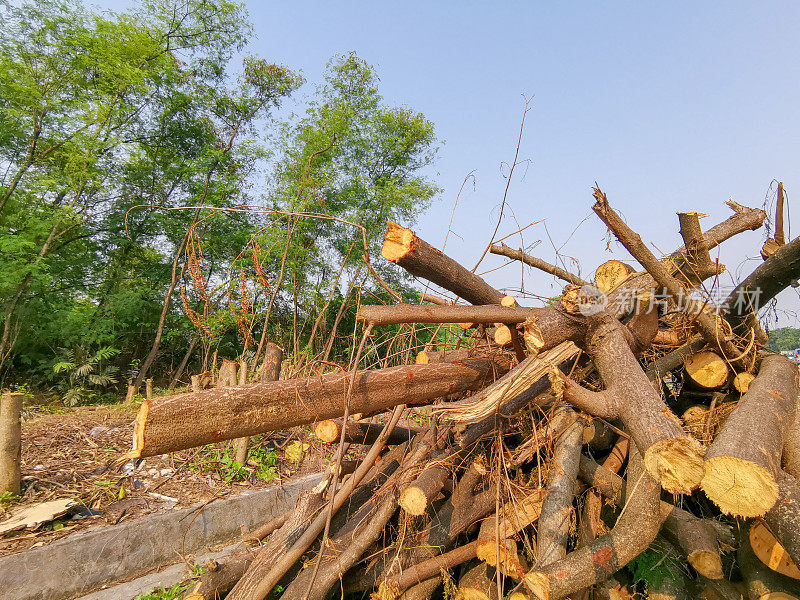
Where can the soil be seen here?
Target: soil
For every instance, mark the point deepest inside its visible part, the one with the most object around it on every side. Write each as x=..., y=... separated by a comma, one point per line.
x=75, y=454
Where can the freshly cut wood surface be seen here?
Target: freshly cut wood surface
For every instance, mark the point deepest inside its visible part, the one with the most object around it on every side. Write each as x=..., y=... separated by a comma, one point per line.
x=707, y=369
x=610, y=274
x=770, y=552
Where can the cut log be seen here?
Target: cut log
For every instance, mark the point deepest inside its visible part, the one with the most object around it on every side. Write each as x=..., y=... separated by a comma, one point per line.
x=10, y=442
x=610, y=274
x=403, y=247
x=635, y=529
x=707, y=369
x=784, y=518
x=477, y=583
x=392, y=587
x=229, y=413
x=417, y=496
x=414, y=313
x=435, y=300
x=537, y=263
x=671, y=456
x=219, y=578
x=329, y=431
x=742, y=464
x=131, y=392
x=196, y=387
x=148, y=387
x=552, y=533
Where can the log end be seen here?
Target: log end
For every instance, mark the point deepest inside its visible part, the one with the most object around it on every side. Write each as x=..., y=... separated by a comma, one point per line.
x=422, y=358
x=398, y=241
x=769, y=551
x=610, y=274
x=502, y=334
x=742, y=382
x=138, y=431
x=538, y=584
x=518, y=596
x=327, y=431
x=676, y=463
x=413, y=501
x=508, y=301
x=707, y=369
x=739, y=487
x=707, y=563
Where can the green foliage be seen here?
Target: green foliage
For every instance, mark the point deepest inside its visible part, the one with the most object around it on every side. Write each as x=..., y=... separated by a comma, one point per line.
x=222, y=462
x=785, y=338
x=86, y=372
x=652, y=567
x=7, y=499
x=162, y=593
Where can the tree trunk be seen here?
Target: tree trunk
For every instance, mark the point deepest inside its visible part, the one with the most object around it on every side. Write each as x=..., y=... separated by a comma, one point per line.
x=10, y=442
x=184, y=361
x=151, y=356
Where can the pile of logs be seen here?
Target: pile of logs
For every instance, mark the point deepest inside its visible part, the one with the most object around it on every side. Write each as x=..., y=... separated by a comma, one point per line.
x=631, y=417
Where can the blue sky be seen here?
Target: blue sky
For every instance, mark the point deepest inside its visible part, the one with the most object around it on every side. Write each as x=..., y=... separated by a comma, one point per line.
x=668, y=106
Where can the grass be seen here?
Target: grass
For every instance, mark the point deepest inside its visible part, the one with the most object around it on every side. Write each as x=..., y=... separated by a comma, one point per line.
x=162, y=593
x=220, y=460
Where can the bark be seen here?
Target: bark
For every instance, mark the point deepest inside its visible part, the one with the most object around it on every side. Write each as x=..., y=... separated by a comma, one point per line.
x=10, y=442
x=701, y=540
x=415, y=313
x=221, y=577
x=403, y=247
x=184, y=361
x=151, y=356
x=271, y=367
x=771, y=277
x=424, y=590
x=553, y=530
x=660, y=272
x=340, y=553
x=635, y=529
x=537, y=263
x=329, y=431
x=670, y=455
x=697, y=265
x=477, y=583
x=434, y=299
x=783, y=518
x=221, y=414
x=392, y=587
x=742, y=464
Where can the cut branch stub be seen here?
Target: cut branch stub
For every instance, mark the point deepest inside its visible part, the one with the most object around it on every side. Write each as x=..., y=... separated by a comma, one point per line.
x=403, y=247
x=743, y=462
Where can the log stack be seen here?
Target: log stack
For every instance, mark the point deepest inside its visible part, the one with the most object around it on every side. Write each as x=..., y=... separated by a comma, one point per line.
x=555, y=463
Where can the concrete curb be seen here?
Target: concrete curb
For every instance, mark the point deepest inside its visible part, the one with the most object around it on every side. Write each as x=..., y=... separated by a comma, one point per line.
x=85, y=562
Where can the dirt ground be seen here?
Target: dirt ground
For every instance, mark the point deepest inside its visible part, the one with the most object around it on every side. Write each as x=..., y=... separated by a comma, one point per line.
x=75, y=454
